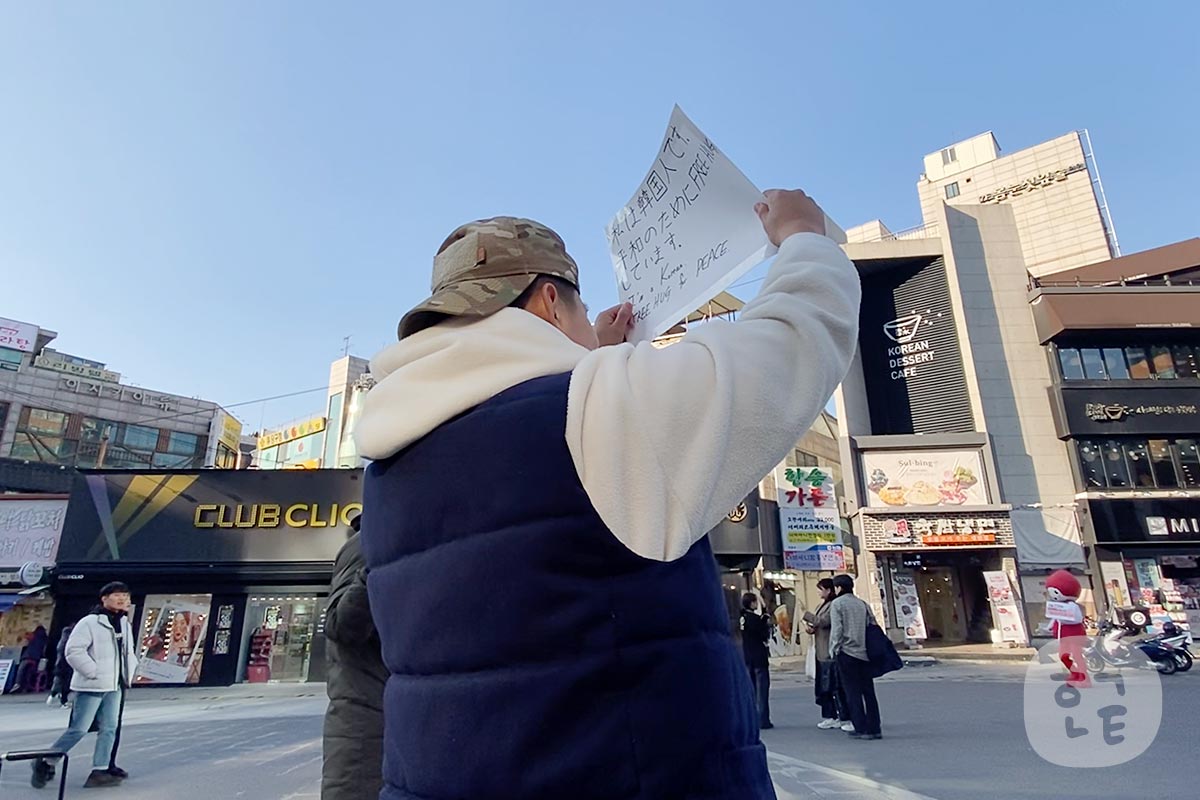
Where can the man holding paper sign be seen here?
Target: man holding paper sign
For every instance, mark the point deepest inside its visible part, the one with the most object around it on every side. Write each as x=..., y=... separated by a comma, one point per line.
x=573, y=486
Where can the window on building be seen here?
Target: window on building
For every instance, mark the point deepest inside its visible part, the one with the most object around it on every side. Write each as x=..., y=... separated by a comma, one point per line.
x=94, y=430
x=10, y=359
x=949, y=156
x=172, y=461
x=1093, y=364
x=40, y=420
x=1186, y=358
x=138, y=437
x=1114, y=362
x=1163, y=361
x=182, y=444
x=803, y=459
x=1139, y=365
x=1070, y=363
x=1092, y=464
x=1139, y=464
x=952, y=190
x=226, y=458
x=1115, y=468
x=1188, y=453
x=1163, y=463
x=41, y=436
x=1136, y=362
x=1137, y=457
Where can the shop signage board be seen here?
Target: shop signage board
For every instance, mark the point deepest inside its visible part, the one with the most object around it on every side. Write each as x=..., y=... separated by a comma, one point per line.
x=1146, y=411
x=211, y=516
x=809, y=522
x=1005, y=612
x=1157, y=520
x=16, y=335
x=81, y=370
x=291, y=433
x=6, y=666
x=122, y=394
x=924, y=479
x=912, y=360
x=902, y=531
x=30, y=528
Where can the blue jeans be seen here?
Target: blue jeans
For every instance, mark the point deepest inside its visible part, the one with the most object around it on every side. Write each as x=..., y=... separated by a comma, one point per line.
x=101, y=707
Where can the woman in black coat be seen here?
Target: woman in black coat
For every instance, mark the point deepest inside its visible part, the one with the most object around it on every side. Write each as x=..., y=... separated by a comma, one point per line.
x=353, y=742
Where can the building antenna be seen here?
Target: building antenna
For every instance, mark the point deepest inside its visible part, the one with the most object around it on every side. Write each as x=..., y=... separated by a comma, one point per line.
x=345, y=346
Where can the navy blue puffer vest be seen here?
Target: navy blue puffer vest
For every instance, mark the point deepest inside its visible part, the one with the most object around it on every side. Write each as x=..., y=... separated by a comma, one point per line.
x=532, y=655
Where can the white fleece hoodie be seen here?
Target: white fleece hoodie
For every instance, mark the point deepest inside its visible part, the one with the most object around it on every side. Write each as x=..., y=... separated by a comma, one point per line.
x=665, y=441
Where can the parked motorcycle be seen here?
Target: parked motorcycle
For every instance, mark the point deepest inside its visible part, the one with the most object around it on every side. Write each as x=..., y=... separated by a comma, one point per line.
x=1178, y=639
x=1110, y=651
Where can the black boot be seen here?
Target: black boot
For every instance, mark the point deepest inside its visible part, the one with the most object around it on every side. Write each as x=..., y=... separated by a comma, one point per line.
x=117, y=772
x=100, y=778
x=43, y=773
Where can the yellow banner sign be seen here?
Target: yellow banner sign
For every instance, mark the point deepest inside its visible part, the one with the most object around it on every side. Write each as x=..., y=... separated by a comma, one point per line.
x=291, y=433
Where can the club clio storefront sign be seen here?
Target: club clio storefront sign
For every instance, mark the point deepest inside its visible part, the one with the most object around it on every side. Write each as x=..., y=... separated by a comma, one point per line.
x=912, y=361
x=1164, y=410
x=211, y=516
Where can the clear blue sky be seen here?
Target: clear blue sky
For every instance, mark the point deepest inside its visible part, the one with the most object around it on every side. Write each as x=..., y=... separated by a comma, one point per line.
x=210, y=199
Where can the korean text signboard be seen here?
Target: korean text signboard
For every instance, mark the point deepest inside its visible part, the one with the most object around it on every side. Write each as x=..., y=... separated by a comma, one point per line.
x=809, y=522
x=30, y=529
x=18, y=335
x=688, y=232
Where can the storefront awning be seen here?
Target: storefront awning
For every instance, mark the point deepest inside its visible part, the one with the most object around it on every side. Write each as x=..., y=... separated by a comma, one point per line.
x=10, y=599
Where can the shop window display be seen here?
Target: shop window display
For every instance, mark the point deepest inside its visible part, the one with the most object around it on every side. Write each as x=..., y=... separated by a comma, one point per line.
x=173, y=630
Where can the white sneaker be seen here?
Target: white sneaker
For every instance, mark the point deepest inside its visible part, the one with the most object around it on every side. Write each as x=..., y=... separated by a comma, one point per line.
x=827, y=724
x=848, y=727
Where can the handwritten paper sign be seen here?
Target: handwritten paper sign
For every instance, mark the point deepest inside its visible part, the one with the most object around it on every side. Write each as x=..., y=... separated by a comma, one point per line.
x=688, y=232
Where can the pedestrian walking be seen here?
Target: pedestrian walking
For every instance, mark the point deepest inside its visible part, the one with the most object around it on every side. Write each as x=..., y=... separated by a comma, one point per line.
x=536, y=512
x=828, y=689
x=756, y=632
x=30, y=661
x=353, y=736
x=100, y=651
x=848, y=620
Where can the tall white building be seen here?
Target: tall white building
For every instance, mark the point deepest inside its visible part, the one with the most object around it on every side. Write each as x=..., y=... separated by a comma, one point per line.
x=1053, y=189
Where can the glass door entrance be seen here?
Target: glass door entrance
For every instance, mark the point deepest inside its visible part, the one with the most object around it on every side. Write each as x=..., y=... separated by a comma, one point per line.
x=280, y=637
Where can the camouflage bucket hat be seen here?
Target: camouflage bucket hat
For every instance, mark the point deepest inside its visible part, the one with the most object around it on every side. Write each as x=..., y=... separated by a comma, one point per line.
x=484, y=266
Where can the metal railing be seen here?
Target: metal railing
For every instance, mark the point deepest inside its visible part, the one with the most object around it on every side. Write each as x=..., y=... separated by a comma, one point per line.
x=1079, y=283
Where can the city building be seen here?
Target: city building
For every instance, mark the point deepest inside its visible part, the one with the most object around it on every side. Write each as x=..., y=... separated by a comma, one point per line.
x=349, y=381
x=229, y=568
x=297, y=445
x=321, y=441
x=64, y=410
x=1123, y=343
x=1053, y=189
x=962, y=498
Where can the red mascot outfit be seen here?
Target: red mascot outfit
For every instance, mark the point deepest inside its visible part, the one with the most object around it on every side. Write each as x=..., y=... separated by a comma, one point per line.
x=1067, y=625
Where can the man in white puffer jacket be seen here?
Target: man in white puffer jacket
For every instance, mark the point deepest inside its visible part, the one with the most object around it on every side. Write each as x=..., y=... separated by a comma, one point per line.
x=100, y=650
